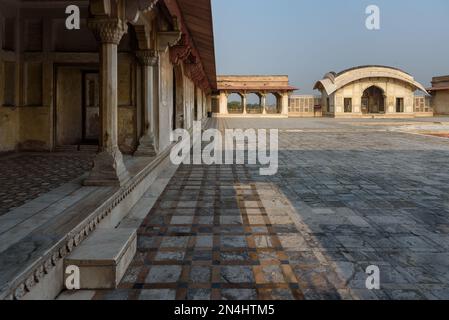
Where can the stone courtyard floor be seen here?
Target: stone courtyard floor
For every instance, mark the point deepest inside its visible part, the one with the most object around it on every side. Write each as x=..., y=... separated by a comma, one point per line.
x=26, y=176
x=347, y=196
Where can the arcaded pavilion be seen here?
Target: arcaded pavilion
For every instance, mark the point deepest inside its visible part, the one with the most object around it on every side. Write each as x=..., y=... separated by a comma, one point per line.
x=372, y=91
x=262, y=86
x=99, y=104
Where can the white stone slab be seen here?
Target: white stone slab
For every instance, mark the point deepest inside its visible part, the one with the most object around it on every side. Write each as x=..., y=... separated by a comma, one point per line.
x=104, y=257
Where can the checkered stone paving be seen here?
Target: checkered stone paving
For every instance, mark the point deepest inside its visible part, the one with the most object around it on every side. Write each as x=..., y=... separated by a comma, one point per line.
x=210, y=237
x=341, y=201
x=26, y=176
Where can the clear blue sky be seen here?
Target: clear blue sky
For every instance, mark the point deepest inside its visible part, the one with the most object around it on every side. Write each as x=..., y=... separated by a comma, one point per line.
x=306, y=39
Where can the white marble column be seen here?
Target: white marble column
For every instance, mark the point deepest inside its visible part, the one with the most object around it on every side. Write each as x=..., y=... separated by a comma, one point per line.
x=223, y=103
x=244, y=103
x=156, y=104
x=284, y=104
x=109, y=169
x=148, y=61
x=263, y=98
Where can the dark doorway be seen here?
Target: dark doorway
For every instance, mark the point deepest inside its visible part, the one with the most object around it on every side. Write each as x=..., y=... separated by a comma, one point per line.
x=373, y=100
x=399, y=105
x=91, y=107
x=77, y=106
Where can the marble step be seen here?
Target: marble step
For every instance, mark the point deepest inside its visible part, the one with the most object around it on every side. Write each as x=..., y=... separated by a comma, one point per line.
x=67, y=148
x=103, y=258
x=86, y=148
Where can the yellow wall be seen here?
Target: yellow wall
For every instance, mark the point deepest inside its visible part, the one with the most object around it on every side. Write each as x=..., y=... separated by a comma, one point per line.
x=9, y=131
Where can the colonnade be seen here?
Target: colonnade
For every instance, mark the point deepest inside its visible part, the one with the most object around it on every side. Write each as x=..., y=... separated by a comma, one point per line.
x=282, y=100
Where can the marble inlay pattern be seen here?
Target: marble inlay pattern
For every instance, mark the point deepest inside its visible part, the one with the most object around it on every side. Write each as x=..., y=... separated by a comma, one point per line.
x=26, y=176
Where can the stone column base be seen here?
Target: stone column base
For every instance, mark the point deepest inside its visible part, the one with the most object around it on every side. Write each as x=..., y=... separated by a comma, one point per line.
x=146, y=147
x=108, y=170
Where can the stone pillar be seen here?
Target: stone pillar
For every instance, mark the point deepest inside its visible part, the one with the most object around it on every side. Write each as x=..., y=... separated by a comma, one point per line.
x=244, y=103
x=223, y=103
x=263, y=98
x=284, y=104
x=109, y=169
x=156, y=103
x=148, y=60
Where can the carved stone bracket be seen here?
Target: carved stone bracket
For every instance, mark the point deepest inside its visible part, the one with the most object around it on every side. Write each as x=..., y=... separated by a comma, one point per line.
x=108, y=30
x=135, y=7
x=181, y=52
x=195, y=72
x=166, y=39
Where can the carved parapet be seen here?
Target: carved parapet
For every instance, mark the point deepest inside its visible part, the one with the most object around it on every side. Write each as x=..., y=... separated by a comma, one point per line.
x=147, y=58
x=108, y=30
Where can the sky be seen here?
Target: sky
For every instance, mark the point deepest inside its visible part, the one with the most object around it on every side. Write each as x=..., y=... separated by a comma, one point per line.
x=305, y=39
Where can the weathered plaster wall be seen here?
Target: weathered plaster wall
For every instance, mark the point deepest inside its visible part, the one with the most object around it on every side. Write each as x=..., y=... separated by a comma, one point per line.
x=35, y=124
x=127, y=102
x=9, y=131
x=68, y=106
x=441, y=102
x=127, y=139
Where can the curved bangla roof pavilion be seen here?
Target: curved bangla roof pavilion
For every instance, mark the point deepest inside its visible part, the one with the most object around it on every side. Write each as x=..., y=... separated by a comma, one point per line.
x=371, y=90
x=332, y=81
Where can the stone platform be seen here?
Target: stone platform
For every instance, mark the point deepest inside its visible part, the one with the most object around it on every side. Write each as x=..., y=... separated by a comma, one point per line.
x=36, y=237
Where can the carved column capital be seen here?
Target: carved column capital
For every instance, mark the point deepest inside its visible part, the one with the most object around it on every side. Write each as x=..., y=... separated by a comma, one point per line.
x=108, y=30
x=147, y=58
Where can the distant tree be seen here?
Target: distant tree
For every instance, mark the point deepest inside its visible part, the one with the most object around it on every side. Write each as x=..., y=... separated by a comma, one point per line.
x=234, y=105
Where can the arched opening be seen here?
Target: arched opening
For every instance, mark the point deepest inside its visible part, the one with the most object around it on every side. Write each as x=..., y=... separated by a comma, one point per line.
x=373, y=100
x=178, y=99
x=235, y=103
x=253, y=103
x=273, y=103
